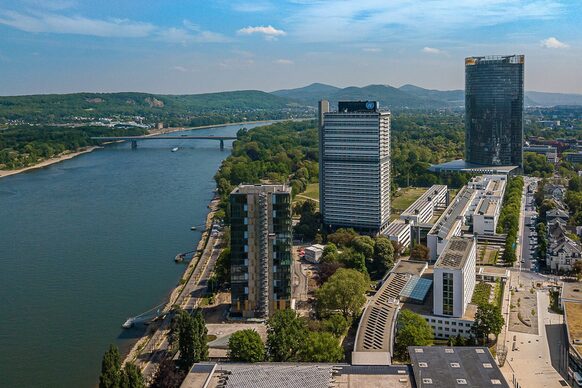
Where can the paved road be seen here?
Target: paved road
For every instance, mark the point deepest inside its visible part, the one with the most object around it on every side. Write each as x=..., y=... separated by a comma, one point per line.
x=157, y=348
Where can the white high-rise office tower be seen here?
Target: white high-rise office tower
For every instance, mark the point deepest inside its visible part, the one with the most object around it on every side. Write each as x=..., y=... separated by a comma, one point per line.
x=354, y=166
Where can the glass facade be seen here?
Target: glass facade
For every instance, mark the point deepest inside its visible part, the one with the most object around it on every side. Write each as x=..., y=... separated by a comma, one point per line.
x=494, y=100
x=261, y=243
x=448, y=293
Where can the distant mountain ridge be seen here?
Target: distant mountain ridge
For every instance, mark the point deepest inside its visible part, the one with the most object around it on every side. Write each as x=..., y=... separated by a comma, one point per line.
x=411, y=96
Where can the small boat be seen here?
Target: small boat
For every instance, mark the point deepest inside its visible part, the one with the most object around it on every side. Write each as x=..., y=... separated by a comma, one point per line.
x=179, y=258
x=128, y=324
x=193, y=228
x=174, y=149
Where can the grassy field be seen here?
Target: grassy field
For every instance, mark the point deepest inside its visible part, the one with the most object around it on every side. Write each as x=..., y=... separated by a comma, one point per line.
x=404, y=198
x=312, y=191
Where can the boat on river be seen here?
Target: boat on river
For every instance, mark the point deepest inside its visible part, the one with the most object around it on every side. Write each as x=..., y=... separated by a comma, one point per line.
x=174, y=149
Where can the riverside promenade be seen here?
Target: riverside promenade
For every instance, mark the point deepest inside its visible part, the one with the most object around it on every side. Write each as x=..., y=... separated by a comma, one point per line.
x=153, y=347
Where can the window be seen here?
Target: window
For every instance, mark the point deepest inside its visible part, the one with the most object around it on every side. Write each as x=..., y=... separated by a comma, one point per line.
x=449, y=350
x=422, y=365
x=455, y=365
x=495, y=381
x=461, y=381
x=479, y=351
x=426, y=381
x=418, y=350
x=448, y=293
x=487, y=365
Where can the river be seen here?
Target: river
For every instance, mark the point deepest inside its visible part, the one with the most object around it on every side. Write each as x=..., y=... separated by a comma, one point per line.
x=88, y=242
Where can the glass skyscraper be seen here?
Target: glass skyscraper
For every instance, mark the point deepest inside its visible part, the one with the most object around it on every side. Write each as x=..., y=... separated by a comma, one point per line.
x=494, y=110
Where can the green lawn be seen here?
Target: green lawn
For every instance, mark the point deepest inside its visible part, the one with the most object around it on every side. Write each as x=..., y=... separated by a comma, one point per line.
x=312, y=191
x=481, y=293
x=404, y=198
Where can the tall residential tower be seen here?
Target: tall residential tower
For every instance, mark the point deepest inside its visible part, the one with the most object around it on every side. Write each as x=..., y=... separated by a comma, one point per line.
x=354, y=167
x=260, y=246
x=494, y=110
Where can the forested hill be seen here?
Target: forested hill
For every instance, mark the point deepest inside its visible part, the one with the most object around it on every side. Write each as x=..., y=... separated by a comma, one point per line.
x=197, y=109
x=411, y=96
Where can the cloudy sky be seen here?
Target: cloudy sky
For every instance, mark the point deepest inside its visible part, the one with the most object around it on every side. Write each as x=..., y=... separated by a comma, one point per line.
x=194, y=46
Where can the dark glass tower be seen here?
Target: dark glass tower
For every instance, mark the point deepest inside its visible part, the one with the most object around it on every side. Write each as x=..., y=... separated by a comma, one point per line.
x=260, y=250
x=494, y=110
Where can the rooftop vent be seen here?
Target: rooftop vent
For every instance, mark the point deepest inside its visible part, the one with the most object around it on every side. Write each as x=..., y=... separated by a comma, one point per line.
x=461, y=381
x=427, y=381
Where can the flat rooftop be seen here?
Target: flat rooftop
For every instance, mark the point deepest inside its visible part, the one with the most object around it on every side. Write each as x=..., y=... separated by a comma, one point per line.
x=255, y=189
x=427, y=308
x=571, y=291
x=454, y=212
x=487, y=207
x=443, y=366
x=296, y=375
x=462, y=166
x=573, y=320
x=455, y=254
x=377, y=323
x=426, y=199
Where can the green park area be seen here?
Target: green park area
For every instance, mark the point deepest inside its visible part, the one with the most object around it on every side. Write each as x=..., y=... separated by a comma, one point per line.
x=404, y=198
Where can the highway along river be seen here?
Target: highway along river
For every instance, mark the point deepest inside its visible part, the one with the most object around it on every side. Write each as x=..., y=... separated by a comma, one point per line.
x=88, y=242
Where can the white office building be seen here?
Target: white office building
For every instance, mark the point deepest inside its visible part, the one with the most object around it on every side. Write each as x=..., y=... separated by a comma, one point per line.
x=450, y=223
x=399, y=232
x=454, y=277
x=354, y=167
x=422, y=210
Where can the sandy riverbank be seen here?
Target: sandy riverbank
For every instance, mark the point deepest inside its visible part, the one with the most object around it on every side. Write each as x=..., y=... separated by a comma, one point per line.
x=48, y=162
x=154, y=132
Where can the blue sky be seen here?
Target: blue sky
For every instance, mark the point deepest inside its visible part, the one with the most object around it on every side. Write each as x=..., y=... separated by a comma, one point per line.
x=178, y=46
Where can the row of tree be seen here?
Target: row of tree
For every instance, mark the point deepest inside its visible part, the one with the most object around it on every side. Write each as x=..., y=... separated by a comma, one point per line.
x=113, y=375
x=509, y=217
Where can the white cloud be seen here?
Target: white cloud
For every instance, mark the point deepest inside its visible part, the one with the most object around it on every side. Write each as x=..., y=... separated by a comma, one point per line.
x=252, y=6
x=553, y=43
x=181, y=69
x=432, y=50
x=60, y=24
x=283, y=61
x=381, y=20
x=269, y=32
x=184, y=36
x=49, y=22
x=372, y=49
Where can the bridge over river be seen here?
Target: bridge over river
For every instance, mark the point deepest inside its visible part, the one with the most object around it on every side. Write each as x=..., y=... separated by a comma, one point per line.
x=135, y=139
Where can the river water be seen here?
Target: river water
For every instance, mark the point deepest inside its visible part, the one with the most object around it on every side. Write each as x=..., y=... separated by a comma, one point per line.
x=88, y=242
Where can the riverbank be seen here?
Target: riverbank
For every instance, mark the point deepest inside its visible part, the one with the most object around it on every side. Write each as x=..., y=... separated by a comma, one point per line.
x=155, y=336
x=48, y=162
x=154, y=132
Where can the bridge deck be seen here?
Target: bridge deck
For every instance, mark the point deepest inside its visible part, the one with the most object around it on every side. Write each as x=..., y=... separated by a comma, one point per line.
x=185, y=137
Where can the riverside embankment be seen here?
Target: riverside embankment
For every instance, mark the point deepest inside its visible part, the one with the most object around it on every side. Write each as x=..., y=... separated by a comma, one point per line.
x=89, y=242
x=72, y=154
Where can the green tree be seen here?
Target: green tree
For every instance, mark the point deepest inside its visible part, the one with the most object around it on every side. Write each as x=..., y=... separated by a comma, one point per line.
x=330, y=254
x=353, y=259
x=246, y=346
x=383, y=255
x=343, y=292
x=110, y=369
x=342, y=237
x=336, y=324
x=488, y=320
x=192, y=341
x=364, y=245
x=412, y=330
x=168, y=375
x=419, y=252
x=321, y=347
x=132, y=377
x=286, y=335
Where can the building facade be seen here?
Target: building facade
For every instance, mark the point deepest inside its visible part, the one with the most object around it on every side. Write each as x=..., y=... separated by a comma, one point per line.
x=454, y=277
x=494, y=99
x=354, y=167
x=260, y=249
